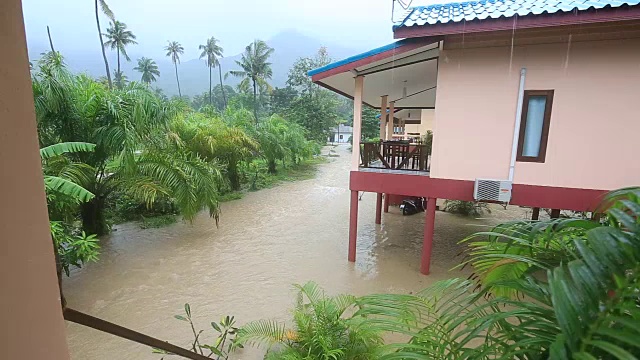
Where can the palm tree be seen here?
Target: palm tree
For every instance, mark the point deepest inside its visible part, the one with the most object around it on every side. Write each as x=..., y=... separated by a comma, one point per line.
x=105, y=10
x=118, y=38
x=174, y=49
x=211, y=51
x=255, y=70
x=126, y=125
x=213, y=140
x=149, y=70
x=120, y=79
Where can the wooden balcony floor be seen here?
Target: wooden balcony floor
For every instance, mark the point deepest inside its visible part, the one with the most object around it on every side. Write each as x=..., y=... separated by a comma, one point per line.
x=393, y=171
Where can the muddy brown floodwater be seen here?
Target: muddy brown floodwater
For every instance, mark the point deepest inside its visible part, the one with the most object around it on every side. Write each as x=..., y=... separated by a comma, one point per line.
x=266, y=242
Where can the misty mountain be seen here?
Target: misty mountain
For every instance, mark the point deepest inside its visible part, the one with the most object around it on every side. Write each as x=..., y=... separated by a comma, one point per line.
x=194, y=75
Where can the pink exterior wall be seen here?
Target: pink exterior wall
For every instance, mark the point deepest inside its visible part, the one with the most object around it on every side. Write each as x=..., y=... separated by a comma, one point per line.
x=595, y=121
x=32, y=324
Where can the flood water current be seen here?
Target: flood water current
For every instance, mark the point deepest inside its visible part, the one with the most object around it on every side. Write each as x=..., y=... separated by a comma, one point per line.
x=266, y=241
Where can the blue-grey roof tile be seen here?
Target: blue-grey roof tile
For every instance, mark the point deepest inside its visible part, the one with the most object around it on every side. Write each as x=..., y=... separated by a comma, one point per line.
x=483, y=9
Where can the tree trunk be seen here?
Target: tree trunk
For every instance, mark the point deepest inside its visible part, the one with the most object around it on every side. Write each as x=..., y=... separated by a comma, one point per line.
x=271, y=166
x=118, y=52
x=224, y=96
x=50, y=41
x=93, y=220
x=177, y=79
x=234, y=178
x=104, y=54
x=255, y=101
x=210, y=97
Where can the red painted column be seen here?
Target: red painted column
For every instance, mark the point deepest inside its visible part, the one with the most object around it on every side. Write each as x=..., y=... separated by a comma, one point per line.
x=379, y=209
x=386, y=203
x=353, y=226
x=536, y=213
x=428, y=236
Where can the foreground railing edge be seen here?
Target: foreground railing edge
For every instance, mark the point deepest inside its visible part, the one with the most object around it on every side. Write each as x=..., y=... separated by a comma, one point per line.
x=120, y=331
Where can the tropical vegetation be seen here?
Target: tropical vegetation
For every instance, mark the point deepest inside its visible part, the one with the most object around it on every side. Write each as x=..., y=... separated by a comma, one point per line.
x=466, y=208
x=225, y=340
x=324, y=327
x=131, y=153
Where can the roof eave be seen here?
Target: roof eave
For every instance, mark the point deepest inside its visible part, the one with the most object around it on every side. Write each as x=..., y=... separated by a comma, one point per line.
x=354, y=62
x=592, y=16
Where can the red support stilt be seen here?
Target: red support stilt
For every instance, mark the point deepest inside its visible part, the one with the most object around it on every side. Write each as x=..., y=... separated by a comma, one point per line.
x=353, y=226
x=386, y=203
x=428, y=236
x=536, y=213
x=555, y=213
x=379, y=209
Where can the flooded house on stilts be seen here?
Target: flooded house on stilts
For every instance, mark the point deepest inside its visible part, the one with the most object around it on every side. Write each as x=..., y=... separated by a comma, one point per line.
x=532, y=103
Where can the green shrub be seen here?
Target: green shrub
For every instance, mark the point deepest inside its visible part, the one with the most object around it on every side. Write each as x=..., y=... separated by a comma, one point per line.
x=230, y=196
x=222, y=345
x=124, y=207
x=157, y=221
x=73, y=249
x=466, y=208
x=324, y=327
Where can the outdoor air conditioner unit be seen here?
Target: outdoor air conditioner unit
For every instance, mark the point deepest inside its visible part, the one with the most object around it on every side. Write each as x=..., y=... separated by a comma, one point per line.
x=492, y=190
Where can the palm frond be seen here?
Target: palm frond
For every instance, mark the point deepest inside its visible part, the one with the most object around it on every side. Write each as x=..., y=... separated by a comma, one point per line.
x=106, y=10
x=64, y=148
x=66, y=187
x=577, y=283
x=262, y=332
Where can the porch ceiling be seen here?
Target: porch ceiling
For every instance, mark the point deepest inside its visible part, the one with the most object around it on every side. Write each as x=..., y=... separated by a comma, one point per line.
x=403, y=68
x=409, y=116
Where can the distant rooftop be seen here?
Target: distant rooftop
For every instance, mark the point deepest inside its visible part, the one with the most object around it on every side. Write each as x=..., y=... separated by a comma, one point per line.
x=342, y=128
x=495, y=9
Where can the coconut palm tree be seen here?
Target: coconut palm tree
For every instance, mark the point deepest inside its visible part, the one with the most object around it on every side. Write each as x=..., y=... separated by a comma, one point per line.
x=256, y=70
x=174, y=49
x=105, y=10
x=149, y=70
x=120, y=79
x=118, y=38
x=212, y=52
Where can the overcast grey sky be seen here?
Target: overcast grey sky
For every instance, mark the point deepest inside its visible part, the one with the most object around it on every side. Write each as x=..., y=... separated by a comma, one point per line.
x=359, y=24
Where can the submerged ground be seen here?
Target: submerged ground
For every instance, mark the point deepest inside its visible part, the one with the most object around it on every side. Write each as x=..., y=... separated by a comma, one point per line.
x=266, y=241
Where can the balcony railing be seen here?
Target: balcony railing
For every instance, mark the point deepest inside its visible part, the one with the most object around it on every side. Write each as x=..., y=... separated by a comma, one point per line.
x=395, y=155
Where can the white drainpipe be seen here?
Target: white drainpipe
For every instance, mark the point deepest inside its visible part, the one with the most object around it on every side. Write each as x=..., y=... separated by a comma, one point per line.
x=516, y=130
